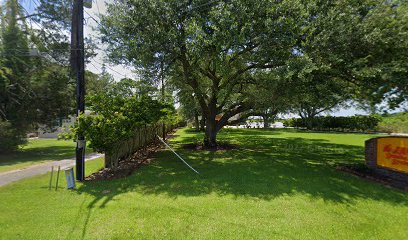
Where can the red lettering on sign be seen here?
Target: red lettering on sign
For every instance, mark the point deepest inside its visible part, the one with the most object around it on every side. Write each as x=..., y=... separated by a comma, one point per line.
x=387, y=148
x=399, y=162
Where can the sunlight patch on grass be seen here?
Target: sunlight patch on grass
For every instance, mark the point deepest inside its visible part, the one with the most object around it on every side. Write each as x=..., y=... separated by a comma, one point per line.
x=264, y=190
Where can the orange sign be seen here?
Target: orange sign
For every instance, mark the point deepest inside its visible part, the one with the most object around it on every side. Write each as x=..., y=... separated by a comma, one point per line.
x=393, y=153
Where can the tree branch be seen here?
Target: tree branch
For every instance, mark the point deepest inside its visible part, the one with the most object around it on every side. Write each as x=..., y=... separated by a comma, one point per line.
x=245, y=50
x=241, y=107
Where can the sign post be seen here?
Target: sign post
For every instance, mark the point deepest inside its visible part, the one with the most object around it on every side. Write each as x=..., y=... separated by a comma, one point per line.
x=388, y=156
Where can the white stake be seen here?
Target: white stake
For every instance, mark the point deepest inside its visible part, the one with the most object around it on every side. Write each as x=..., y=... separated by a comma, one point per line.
x=177, y=155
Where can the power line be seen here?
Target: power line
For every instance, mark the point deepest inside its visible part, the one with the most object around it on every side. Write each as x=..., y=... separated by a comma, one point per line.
x=92, y=18
x=113, y=70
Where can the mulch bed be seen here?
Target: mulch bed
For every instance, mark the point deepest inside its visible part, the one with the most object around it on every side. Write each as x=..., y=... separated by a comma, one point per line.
x=201, y=147
x=366, y=173
x=130, y=165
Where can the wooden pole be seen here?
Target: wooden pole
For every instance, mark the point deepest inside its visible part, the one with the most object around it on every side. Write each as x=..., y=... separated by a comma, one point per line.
x=52, y=172
x=56, y=184
x=78, y=68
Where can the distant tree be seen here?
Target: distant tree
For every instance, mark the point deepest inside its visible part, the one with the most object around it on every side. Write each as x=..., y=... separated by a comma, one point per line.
x=35, y=84
x=312, y=90
x=271, y=96
x=97, y=83
x=54, y=94
x=16, y=67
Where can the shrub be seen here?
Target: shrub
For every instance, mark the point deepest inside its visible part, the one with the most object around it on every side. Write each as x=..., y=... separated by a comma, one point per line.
x=10, y=137
x=116, y=118
x=397, y=123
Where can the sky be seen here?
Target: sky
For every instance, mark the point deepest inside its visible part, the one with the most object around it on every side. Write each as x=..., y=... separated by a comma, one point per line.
x=91, y=23
x=92, y=20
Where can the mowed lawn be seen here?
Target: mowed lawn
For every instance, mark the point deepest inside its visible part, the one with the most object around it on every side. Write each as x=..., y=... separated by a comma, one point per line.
x=37, y=151
x=280, y=184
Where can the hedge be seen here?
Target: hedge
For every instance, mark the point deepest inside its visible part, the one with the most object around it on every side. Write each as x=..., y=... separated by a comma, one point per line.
x=353, y=123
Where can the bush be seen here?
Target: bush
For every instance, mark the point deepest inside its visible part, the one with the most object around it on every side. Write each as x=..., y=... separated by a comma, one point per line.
x=397, y=123
x=116, y=118
x=10, y=138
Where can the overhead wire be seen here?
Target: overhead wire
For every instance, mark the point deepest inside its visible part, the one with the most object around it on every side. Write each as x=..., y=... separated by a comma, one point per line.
x=113, y=70
x=39, y=25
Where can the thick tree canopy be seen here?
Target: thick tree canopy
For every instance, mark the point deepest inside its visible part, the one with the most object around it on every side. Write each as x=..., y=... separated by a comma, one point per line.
x=361, y=42
x=218, y=48
x=214, y=47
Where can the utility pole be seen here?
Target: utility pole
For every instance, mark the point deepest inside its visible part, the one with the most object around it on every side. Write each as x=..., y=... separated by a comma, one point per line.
x=78, y=70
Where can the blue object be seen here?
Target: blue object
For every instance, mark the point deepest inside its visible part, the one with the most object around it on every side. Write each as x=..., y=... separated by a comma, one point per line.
x=69, y=174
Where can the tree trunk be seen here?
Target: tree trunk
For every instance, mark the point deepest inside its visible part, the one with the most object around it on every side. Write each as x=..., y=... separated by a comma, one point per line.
x=202, y=124
x=196, y=122
x=210, y=138
x=266, y=121
x=309, y=123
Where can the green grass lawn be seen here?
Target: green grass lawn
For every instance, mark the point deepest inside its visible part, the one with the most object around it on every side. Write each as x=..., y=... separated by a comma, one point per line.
x=37, y=151
x=280, y=184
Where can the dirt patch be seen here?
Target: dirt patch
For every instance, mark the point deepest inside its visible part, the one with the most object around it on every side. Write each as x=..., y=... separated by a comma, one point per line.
x=128, y=166
x=366, y=173
x=201, y=147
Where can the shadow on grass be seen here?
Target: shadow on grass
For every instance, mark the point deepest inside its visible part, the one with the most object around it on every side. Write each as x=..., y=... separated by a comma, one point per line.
x=37, y=154
x=263, y=168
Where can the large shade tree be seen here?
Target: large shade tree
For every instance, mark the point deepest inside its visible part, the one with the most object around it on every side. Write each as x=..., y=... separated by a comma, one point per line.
x=215, y=47
x=363, y=43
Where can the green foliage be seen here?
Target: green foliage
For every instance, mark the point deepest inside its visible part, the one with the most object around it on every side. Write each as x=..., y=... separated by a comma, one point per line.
x=353, y=123
x=327, y=51
x=15, y=69
x=97, y=83
x=396, y=123
x=211, y=49
x=312, y=90
x=36, y=89
x=10, y=137
x=54, y=94
x=116, y=114
x=362, y=43
x=15, y=42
